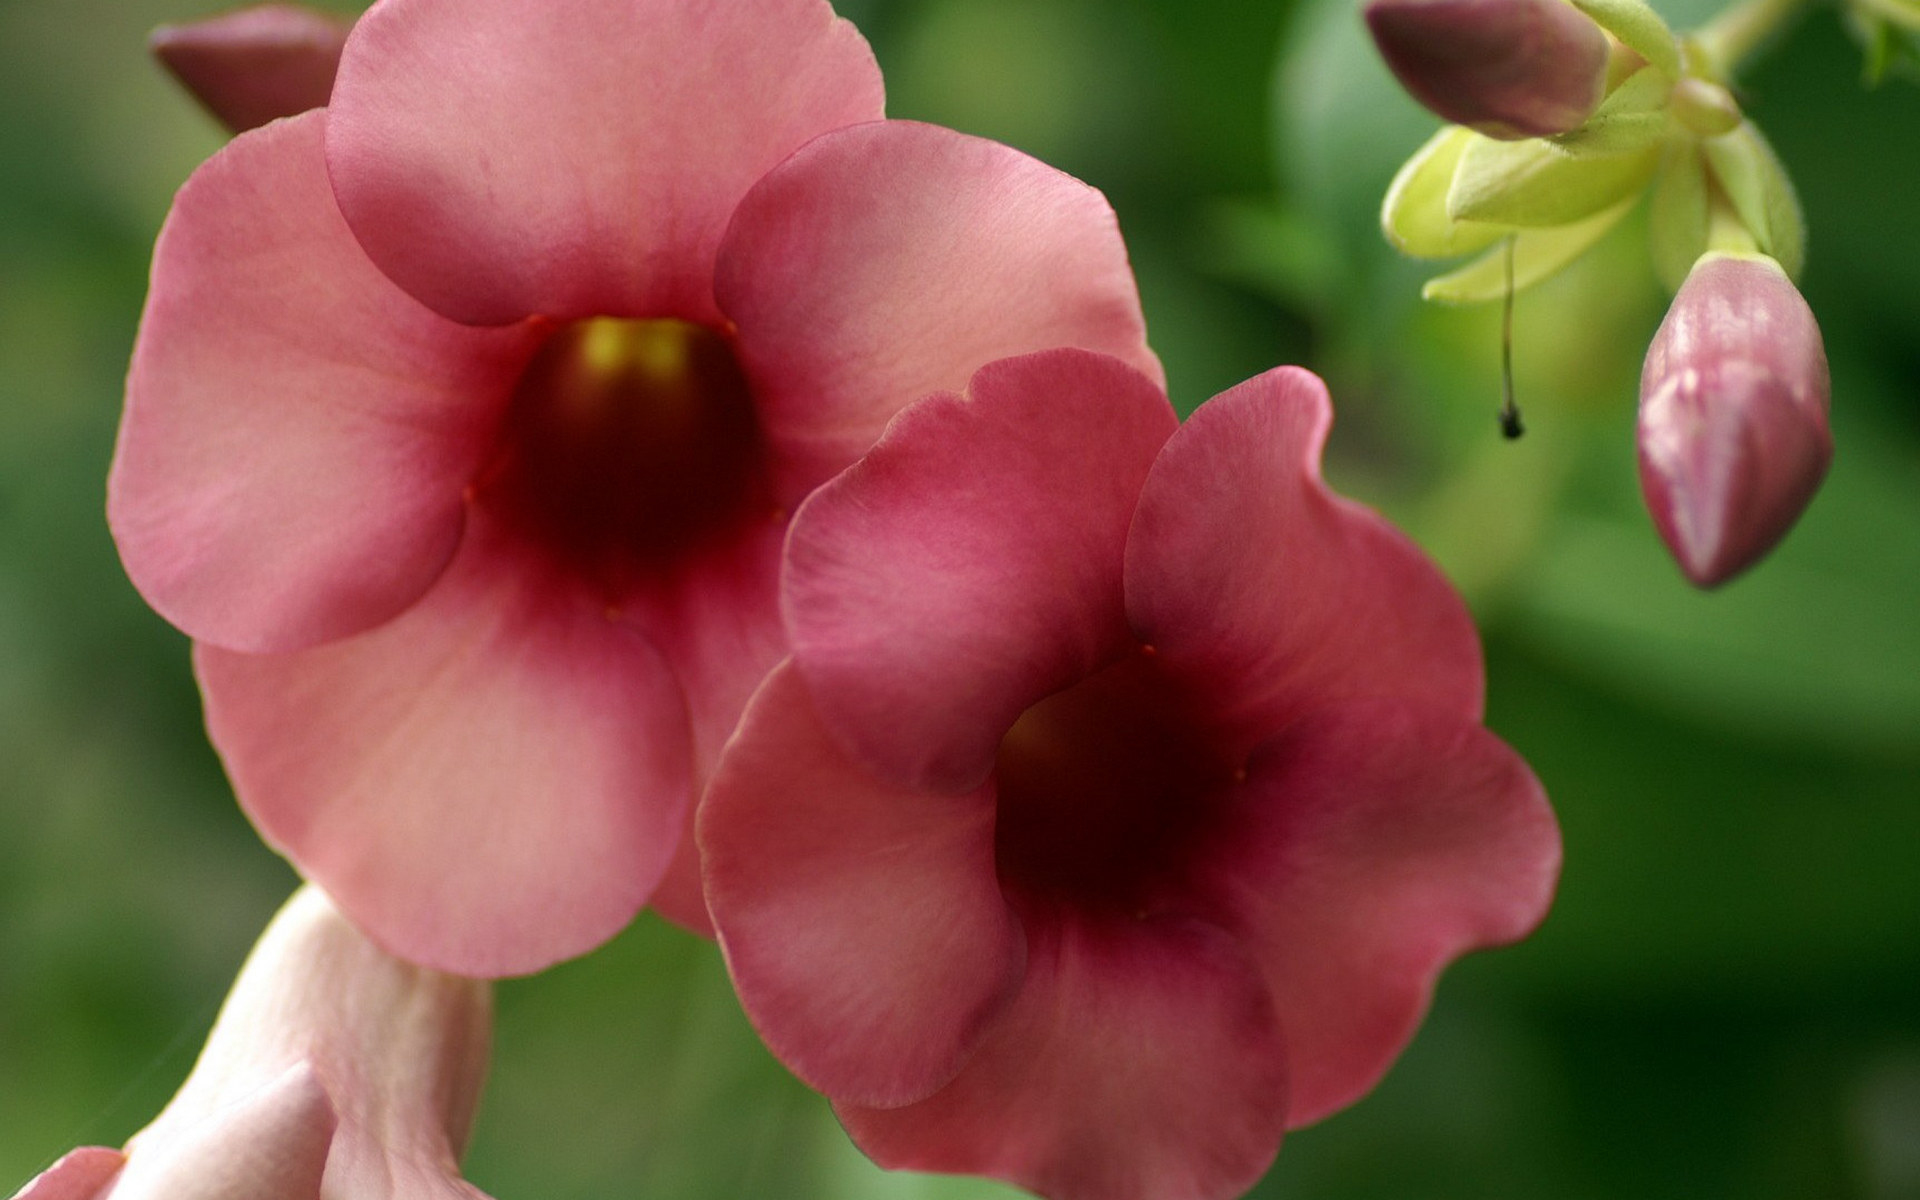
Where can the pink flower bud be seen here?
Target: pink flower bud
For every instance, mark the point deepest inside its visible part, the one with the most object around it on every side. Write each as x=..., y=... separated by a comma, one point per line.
x=255, y=65
x=1508, y=68
x=1733, y=415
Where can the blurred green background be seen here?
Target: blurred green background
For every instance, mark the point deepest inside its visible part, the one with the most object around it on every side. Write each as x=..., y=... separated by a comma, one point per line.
x=1725, y=1001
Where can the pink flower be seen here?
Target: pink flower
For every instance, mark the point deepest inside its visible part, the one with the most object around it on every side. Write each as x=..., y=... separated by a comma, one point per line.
x=255, y=64
x=1733, y=416
x=332, y=1070
x=1123, y=796
x=467, y=413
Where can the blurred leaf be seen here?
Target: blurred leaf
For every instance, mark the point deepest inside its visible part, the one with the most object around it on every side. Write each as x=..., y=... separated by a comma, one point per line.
x=1273, y=249
x=1342, y=125
x=1484, y=523
x=1901, y=14
x=1818, y=645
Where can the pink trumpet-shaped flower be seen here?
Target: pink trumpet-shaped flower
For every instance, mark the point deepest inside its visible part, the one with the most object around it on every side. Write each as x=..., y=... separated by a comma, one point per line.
x=332, y=1073
x=1123, y=796
x=257, y=64
x=1508, y=68
x=1733, y=416
x=467, y=413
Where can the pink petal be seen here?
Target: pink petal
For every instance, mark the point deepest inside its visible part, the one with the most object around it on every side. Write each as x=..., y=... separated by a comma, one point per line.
x=297, y=431
x=1374, y=843
x=717, y=622
x=255, y=64
x=680, y=895
x=1248, y=575
x=1139, y=1063
x=270, y=1143
x=487, y=785
x=892, y=260
x=863, y=923
x=970, y=564
x=577, y=157
x=80, y=1174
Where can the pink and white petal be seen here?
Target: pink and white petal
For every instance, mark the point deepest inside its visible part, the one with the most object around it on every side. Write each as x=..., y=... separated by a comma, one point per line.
x=1373, y=843
x=80, y=1174
x=298, y=430
x=577, y=157
x=486, y=785
x=970, y=564
x=717, y=622
x=271, y=1142
x=887, y=261
x=863, y=923
x=1272, y=593
x=1140, y=1062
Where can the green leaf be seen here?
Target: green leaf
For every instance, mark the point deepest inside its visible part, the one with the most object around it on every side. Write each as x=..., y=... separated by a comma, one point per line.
x=1750, y=174
x=1640, y=28
x=1633, y=116
x=1414, y=214
x=1274, y=249
x=1816, y=645
x=1535, y=184
x=1677, y=220
x=1890, y=44
x=1537, y=254
x=1905, y=14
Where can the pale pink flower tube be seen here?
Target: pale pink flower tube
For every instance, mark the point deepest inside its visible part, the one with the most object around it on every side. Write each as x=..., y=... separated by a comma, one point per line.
x=333, y=1072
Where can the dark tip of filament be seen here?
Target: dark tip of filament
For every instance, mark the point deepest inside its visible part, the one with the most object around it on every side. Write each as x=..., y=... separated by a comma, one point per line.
x=1510, y=424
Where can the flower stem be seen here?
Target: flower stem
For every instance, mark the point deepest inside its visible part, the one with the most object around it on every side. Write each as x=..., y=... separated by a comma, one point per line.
x=1730, y=38
x=1726, y=232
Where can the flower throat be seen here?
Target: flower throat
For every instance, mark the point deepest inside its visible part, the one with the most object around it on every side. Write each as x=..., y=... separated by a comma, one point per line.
x=627, y=443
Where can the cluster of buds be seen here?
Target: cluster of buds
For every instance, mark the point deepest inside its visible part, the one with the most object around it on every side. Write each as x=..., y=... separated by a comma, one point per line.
x=1567, y=114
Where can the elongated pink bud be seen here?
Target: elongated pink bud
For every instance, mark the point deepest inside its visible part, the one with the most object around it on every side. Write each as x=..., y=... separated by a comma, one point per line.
x=1733, y=416
x=255, y=65
x=1508, y=68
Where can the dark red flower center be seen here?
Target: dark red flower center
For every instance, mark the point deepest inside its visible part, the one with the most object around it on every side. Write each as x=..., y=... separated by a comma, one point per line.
x=628, y=443
x=1105, y=789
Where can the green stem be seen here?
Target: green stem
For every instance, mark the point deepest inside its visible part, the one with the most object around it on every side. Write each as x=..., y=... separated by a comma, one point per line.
x=1726, y=41
x=1726, y=232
